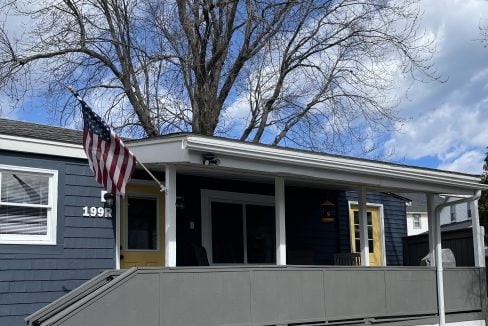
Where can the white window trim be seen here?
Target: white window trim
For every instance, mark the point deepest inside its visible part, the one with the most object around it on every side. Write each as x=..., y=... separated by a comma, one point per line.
x=382, y=225
x=208, y=196
x=141, y=195
x=452, y=214
x=50, y=237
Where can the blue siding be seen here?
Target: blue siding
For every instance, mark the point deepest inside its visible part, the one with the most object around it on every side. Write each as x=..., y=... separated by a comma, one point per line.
x=308, y=239
x=32, y=276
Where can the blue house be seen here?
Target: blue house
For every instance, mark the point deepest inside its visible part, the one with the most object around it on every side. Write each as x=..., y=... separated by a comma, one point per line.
x=274, y=235
x=47, y=246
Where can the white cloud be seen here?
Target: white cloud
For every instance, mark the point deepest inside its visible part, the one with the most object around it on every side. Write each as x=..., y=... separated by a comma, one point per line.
x=469, y=162
x=449, y=121
x=445, y=132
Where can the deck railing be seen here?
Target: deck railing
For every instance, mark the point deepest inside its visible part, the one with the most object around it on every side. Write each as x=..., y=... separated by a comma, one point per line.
x=277, y=295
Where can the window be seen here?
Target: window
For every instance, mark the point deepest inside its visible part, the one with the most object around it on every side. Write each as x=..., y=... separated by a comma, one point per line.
x=417, y=222
x=243, y=233
x=357, y=235
x=142, y=223
x=470, y=214
x=27, y=205
x=238, y=228
x=453, y=213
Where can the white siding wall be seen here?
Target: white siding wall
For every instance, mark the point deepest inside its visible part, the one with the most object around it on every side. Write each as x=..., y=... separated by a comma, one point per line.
x=423, y=223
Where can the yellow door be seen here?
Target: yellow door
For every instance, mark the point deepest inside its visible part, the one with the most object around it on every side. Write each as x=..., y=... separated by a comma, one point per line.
x=141, y=227
x=374, y=234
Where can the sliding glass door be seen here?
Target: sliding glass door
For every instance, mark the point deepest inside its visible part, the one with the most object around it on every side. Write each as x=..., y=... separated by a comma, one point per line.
x=239, y=229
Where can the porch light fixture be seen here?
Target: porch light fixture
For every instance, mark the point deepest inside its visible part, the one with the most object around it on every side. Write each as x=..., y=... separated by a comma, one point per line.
x=180, y=202
x=210, y=159
x=109, y=200
x=328, y=212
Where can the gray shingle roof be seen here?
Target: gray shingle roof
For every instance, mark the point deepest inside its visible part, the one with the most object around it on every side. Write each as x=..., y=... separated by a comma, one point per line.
x=38, y=131
x=419, y=202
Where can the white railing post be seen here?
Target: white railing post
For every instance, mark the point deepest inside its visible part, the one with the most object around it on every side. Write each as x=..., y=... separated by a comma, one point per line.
x=363, y=227
x=280, y=221
x=170, y=217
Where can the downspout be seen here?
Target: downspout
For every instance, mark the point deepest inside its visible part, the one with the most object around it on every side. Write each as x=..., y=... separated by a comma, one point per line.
x=438, y=252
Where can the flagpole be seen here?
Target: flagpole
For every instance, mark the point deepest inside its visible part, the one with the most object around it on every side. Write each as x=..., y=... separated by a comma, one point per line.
x=161, y=186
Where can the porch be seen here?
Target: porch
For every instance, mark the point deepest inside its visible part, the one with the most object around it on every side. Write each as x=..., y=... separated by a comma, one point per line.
x=231, y=220
x=250, y=212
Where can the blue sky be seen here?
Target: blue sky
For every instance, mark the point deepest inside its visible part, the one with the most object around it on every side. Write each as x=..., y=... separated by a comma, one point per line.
x=447, y=123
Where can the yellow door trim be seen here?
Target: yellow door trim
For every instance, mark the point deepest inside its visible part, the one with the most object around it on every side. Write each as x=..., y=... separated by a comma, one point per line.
x=132, y=258
x=376, y=258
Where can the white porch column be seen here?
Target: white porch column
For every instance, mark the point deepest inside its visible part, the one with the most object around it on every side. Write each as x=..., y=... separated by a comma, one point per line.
x=280, y=221
x=118, y=205
x=431, y=224
x=478, y=239
x=439, y=267
x=363, y=227
x=170, y=217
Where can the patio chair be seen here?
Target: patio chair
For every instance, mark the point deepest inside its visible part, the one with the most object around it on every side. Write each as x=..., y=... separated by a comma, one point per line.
x=347, y=259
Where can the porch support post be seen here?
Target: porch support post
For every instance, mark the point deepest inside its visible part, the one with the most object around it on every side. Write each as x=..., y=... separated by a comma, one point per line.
x=478, y=241
x=280, y=221
x=118, y=206
x=363, y=227
x=439, y=267
x=431, y=224
x=170, y=217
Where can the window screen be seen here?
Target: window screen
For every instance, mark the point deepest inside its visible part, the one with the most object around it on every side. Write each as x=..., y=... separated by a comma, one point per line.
x=26, y=213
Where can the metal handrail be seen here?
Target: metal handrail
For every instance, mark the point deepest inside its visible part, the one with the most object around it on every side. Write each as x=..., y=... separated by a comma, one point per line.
x=71, y=297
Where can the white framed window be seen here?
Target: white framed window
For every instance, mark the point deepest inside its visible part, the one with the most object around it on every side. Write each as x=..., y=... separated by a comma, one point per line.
x=417, y=222
x=453, y=213
x=28, y=201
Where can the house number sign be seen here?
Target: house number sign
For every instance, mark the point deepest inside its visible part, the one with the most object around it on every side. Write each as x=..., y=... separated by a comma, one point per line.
x=93, y=211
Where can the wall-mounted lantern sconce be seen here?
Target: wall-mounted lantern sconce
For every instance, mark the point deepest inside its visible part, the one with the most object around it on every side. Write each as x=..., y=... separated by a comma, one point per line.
x=180, y=202
x=328, y=212
x=109, y=200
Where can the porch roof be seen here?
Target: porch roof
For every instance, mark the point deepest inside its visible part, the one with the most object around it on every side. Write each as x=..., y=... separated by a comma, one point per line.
x=187, y=150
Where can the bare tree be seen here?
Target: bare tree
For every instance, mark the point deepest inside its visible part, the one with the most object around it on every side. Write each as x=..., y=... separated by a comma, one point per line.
x=318, y=74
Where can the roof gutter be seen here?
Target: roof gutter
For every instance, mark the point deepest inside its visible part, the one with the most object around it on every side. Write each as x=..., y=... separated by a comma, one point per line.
x=323, y=161
x=438, y=250
x=41, y=146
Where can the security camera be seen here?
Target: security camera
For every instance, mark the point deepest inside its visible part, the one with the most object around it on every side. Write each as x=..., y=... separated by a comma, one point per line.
x=210, y=159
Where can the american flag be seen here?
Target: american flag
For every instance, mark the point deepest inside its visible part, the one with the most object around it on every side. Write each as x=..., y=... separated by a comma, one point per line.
x=110, y=159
